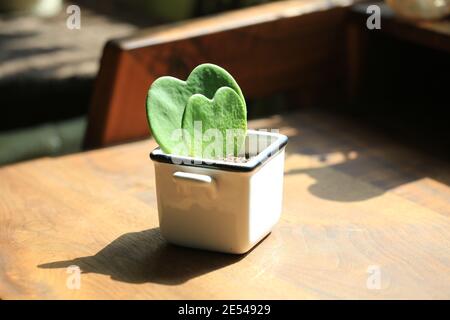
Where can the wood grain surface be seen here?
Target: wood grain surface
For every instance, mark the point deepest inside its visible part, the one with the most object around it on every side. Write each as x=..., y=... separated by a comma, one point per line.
x=354, y=202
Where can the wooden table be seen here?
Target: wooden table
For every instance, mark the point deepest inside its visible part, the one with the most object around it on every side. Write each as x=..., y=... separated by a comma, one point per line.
x=363, y=217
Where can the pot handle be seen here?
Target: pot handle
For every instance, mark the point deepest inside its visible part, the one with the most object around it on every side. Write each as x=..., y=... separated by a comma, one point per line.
x=195, y=177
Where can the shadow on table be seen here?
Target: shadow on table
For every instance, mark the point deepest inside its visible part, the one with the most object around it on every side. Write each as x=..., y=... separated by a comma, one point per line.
x=351, y=162
x=329, y=185
x=140, y=257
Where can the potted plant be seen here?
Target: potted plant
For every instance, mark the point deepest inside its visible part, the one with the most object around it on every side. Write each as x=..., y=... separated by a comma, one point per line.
x=219, y=186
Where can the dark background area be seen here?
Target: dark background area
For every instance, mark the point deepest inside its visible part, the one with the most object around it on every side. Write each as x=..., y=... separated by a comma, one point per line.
x=405, y=93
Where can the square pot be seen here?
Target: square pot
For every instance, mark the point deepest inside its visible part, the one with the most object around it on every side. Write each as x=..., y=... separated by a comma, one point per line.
x=221, y=205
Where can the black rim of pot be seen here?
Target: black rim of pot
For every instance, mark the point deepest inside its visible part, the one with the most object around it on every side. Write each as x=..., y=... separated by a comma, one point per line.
x=273, y=149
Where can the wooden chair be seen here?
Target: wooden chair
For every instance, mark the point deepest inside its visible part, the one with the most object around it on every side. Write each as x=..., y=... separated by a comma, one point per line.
x=295, y=46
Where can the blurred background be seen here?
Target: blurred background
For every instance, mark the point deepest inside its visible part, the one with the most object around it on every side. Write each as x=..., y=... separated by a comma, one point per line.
x=47, y=72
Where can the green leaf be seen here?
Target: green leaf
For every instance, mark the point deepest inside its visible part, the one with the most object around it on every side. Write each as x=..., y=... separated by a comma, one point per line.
x=168, y=97
x=215, y=127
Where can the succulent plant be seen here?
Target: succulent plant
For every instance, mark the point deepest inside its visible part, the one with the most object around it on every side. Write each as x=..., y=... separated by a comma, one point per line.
x=209, y=97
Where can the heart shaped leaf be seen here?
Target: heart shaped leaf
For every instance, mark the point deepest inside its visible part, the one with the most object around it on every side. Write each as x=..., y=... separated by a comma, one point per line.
x=168, y=97
x=215, y=128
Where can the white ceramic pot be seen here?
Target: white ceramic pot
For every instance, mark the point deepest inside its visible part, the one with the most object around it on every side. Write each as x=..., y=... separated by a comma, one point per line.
x=218, y=205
